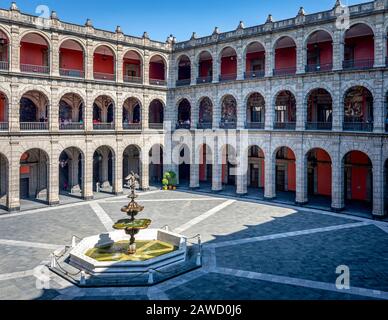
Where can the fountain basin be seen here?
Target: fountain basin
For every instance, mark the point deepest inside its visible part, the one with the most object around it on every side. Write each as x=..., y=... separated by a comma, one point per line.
x=87, y=254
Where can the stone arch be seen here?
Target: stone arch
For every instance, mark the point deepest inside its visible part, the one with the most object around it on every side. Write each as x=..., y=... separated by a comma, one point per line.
x=71, y=171
x=317, y=29
x=104, y=164
x=132, y=161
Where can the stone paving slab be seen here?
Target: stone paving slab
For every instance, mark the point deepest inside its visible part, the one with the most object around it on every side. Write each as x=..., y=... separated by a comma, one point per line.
x=16, y=259
x=173, y=214
x=215, y=286
x=56, y=226
x=315, y=257
x=244, y=220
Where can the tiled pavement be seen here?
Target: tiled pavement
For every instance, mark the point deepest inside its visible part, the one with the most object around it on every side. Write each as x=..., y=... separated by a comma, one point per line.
x=251, y=250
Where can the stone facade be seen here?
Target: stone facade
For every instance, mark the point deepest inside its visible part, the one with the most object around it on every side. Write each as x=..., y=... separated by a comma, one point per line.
x=337, y=143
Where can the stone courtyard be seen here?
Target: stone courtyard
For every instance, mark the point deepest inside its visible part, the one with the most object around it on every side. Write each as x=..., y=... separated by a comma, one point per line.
x=252, y=250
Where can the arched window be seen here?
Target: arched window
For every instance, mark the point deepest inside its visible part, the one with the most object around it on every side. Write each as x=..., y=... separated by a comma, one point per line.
x=285, y=57
x=255, y=111
x=71, y=59
x=358, y=110
x=104, y=64
x=319, y=52
x=4, y=51
x=132, y=67
x=359, y=47
x=205, y=68
x=184, y=71
x=205, y=114
x=229, y=113
x=319, y=110
x=157, y=71
x=255, y=61
x=34, y=54
x=228, y=64
x=285, y=111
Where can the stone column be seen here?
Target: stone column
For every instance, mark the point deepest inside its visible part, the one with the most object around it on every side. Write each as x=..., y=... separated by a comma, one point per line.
x=269, y=57
x=88, y=112
x=241, y=110
x=217, y=168
x=338, y=105
x=73, y=173
x=13, y=200
x=379, y=107
x=54, y=110
x=217, y=112
x=338, y=50
x=269, y=107
x=378, y=184
x=145, y=169
x=269, y=172
x=242, y=169
x=119, y=64
x=118, y=112
x=146, y=68
x=301, y=177
x=87, y=164
x=145, y=112
x=216, y=66
x=54, y=55
x=117, y=162
x=53, y=176
x=14, y=109
x=194, y=167
x=89, y=60
x=194, y=70
x=14, y=50
x=194, y=112
x=301, y=107
x=240, y=63
x=104, y=169
x=300, y=55
x=380, y=44
x=338, y=200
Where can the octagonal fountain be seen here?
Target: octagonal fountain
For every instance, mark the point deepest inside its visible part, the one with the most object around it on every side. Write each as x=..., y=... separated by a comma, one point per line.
x=133, y=255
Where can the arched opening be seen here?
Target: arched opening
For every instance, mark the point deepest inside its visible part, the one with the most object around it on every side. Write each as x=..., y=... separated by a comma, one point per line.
x=34, y=54
x=104, y=64
x=132, y=114
x=131, y=162
x=256, y=171
x=156, y=165
x=285, y=177
x=71, y=112
x=4, y=51
x=34, y=111
x=359, y=46
x=229, y=167
x=184, y=115
x=285, y=111
x=34, y=176
x=319, y=52
x=184, y=71
x=285, y=57
x=319, y=110
x=228, y=64
x=205, y=120
x=205, y=166
x=386, y=187
x=157, y=72
x=103, y=113
x=4, y=168
x=103, y=162
x=205, y=68
x=255, y=61
x=71, y=173
x=358, y=182
x=132, y=67
x=71, y=59
x=319, y=177
x=228, y=113
x=184, y=166
x=156, y=115
x=3, y=112
x=255, y=111
x=358, y=113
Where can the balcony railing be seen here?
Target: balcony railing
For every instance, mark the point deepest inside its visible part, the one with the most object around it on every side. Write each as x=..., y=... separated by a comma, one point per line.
x=386, y=61
x=184, y=82
x=4, y=65
x=319, y=67
x=71, y=126
x=284, y=125
x=284, y=71
x=186, y=126
x=156, y=126
x=72, y=73
x=34, y=69
x=255, y=125
x=34, y=126
x=386, y=127
x=4, y=126
x=104, y=76
x=204, y=80
x=319, y=126
x=205, y=125
x=131, y=126
x=131, y=79
x=158, y=82
x=228, y=125
x=104, y=126
x=228, y=77
x=358, y=126
x=358, y=64
x=254, y=74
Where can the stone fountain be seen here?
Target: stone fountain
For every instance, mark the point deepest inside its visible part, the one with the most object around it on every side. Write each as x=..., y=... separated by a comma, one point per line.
x=132, y=255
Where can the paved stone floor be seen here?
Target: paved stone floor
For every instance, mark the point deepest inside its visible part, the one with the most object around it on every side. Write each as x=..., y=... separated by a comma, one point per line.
x=252, y=250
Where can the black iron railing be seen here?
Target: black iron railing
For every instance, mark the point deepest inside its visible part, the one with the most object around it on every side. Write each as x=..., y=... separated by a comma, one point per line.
x=4, y=126
x=131, y=79
x=358, y=126
x=228, y=77
x=284, y=71
x=132, y=126
x=358, y=64
x=104, y=76
x=319, y=126
x=254, y=74
x=186, y=126
x=72, y=126
x=29, y=68
x=228, y=125
x=204, y=80
x=104, y=126
x=34, y=126
x=184, y=82
x=205, y=125
x=158, y=82
x=255, y=125
x=319, y=67
x=4, y=65
x=72, y=73
x=156, y=126
x=284, y=125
